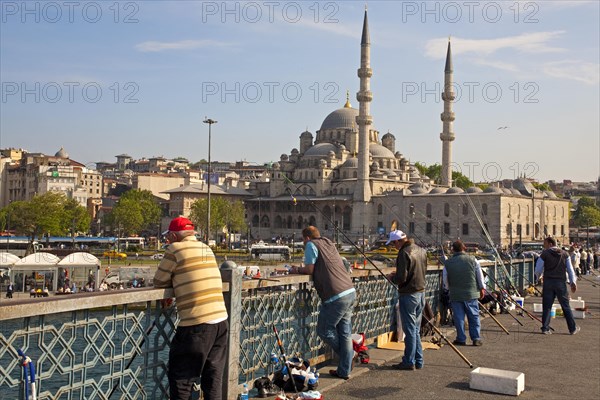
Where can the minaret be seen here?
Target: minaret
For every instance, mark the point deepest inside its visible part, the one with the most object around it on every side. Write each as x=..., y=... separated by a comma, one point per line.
x=447, y=135
x=362, y=191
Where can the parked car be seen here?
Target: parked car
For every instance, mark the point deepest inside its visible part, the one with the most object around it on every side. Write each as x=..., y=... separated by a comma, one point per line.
x=114, y=254
x=158, y=256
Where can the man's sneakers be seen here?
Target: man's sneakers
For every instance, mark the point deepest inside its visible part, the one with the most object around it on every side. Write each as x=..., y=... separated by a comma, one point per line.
x=576, y=331
x=548, y=332
x=334, y=373
x=477, y=342
x=459, y=343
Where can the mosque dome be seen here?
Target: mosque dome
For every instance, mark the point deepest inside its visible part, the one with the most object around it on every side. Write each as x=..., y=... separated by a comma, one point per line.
x=320, y=150
x=474, y=189
x=390, y=173
x=388, y=136
x=306, y=134
x=418, y=188
x=276, y=165
x=438, y=190
x=515, y=191
x=506, y=190
x=493, y=189
x=295, y=152
x=378, y=151
x=343, y=118
x=351, y=162
x=550, y=194
x=454, y=190
x=284, y=157
x=61, y=153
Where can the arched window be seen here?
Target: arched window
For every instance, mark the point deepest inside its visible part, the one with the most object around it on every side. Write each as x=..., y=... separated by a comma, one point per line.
x=447, y=209
x=484, y=208
x=354, y=174
x=411, y=209
x=380, y=209
x=428, y=210
x=465, y=209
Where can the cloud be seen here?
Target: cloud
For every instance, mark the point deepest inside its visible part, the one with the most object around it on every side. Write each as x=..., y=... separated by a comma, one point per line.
x=153, y=46
x=334, y=27
x=581, y=71
x=526, y=43
x=495, y=64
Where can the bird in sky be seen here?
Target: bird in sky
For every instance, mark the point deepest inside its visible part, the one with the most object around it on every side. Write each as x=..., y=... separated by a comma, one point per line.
x=502, y=127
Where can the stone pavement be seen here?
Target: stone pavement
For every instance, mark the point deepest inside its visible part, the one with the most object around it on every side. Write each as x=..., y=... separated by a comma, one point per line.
x=558, y=366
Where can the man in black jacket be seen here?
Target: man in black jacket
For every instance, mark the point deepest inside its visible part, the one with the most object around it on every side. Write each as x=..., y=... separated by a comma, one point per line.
x=552, y=268
x=411, y=267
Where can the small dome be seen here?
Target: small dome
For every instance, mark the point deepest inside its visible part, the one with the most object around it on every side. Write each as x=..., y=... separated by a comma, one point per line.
x=390, y=173
x=474, y=189
x=454, y=190
x=550, y=194
x=351, y=162
x=398, y=155
x=295, y=152
x=61, y=153
x=379, y=151
x=320, y=150
x=284, y=157
x=342, y=147
x=438, y=190
x=515, y=191
x=506, y=190
x=388, y=136
x=322, y=163
x=331, y=154
x=377, y=173
x=493, y=189
x=306, y=134
x=343, y=118
x=418, y=188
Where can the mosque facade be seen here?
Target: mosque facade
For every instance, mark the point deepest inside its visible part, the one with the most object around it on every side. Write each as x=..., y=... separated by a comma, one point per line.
x=346, y=178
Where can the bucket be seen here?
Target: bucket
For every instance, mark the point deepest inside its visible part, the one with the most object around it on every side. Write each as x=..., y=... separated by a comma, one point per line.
x=553, y=312
x=537, y=308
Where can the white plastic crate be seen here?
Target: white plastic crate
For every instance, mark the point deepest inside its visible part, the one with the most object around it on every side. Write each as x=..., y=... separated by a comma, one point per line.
x=497, y=381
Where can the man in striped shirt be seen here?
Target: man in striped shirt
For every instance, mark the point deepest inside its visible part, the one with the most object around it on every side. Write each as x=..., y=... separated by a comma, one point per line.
x=199, y=347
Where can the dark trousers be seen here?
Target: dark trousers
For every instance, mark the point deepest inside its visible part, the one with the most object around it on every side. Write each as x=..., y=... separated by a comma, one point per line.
x=198, y=351
x=556, y=288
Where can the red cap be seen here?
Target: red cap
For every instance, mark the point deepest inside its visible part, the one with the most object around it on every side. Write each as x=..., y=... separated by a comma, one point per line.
x=181, y=224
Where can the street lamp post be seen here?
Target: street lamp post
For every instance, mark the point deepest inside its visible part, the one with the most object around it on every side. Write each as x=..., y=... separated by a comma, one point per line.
x=210, y=122
x=7, y=229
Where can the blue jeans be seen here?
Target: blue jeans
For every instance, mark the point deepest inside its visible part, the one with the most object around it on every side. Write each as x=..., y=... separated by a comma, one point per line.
x=556, y=288
x=411, y=311
x=334, y=327
x=470, y=308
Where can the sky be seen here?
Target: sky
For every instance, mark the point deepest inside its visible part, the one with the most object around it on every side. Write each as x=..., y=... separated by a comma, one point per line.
x=102, y=78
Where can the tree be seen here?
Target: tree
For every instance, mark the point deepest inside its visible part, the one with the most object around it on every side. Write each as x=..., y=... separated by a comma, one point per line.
x=541, y=186
x=75, y=217
x=135, y=211
x=434, y=172
x=225, y=215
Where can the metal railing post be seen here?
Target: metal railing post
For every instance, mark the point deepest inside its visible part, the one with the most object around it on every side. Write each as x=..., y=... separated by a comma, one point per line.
x=233, y=302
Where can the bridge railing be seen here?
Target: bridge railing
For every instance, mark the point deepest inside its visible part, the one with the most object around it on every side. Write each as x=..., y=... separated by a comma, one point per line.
x=114, y=345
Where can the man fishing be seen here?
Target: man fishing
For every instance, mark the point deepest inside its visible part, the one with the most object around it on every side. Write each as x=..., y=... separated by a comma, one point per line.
x=463, y=277
x=411, y=267
x=336, y=290
x=552, y=268
x=199, y=348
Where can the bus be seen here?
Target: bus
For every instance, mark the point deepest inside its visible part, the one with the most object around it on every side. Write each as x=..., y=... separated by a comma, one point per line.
x=18, y=245
x=264, y=251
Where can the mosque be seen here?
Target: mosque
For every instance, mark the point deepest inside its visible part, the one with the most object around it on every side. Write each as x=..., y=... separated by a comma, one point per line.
x=348, y=178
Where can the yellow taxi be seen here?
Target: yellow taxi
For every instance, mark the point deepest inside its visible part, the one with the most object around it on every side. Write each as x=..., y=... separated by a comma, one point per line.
x=114, y=254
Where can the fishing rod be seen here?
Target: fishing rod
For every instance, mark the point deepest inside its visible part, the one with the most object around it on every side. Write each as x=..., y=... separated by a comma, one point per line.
x=493, y=317
x=588, y=280
x=491, y=242
x=537, y=291
x=373, y=264
x=507, y=295
x=435, y=328
x=284, y=359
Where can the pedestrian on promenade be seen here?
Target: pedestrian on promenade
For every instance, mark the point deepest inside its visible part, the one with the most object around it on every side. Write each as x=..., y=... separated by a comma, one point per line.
x=9, y=290
x=199, y=348
x=336, y=290
x=552, y=267
x=463, y=277
x=411, y=267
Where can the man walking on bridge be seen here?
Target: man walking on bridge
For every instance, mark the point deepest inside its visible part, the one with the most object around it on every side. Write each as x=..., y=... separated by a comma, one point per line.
x=552, y=268
x=199, y=348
